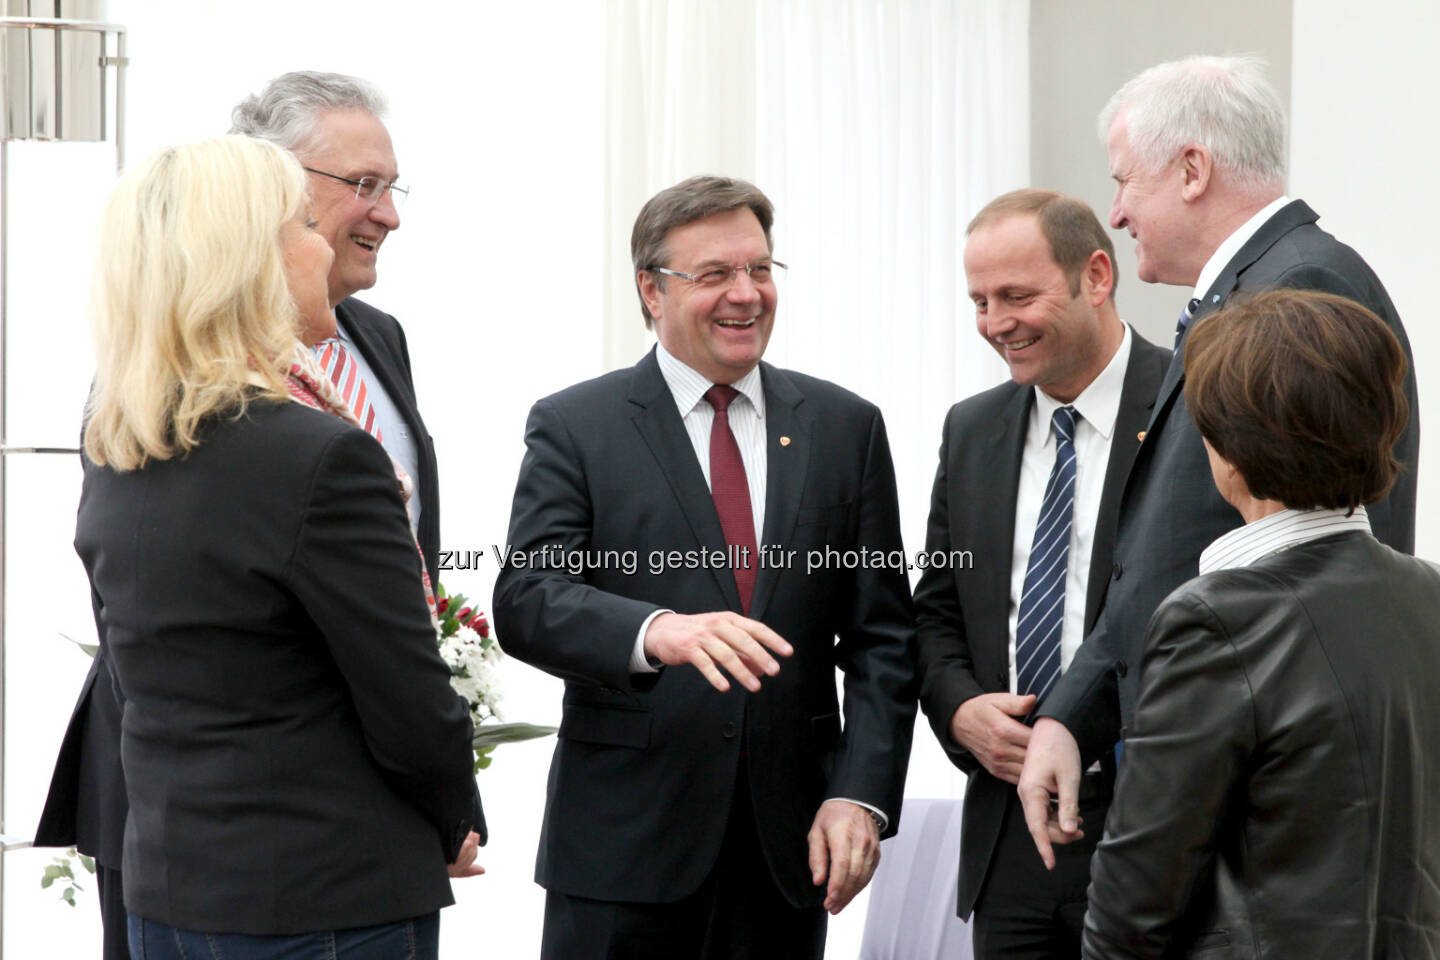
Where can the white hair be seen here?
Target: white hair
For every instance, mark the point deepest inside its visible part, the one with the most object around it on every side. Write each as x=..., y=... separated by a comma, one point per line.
x=1222, y=103
x=287, y=112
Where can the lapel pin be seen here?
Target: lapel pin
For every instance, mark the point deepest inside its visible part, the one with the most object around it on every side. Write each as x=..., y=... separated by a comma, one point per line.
x=784, y=441
x=1215, y=298
x=1140, y=436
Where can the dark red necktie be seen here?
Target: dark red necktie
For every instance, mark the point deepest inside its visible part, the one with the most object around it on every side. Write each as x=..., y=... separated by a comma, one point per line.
x=731, y=491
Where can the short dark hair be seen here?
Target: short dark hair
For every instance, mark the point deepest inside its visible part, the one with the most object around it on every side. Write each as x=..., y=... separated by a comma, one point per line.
x=1302, y=392
x=1068, y=225
x=688, y=201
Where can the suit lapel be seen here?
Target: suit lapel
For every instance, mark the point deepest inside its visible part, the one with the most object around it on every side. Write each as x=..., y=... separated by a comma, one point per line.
x=786, y=467
x=382, y=363
x=1137, y=398
x=660, y=426
x=1294, y=214
x=993, y=519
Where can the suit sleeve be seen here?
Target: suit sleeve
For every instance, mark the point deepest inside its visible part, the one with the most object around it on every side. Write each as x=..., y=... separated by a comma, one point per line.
x=1086, y=699
x=356, y=571
x=1194, y=729
x=947, y=670
x=876, y=651
x=546, y=615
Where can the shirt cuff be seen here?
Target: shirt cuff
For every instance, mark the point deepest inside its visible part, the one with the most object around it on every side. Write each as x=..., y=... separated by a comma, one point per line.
x=639, y=663
x=881, y=820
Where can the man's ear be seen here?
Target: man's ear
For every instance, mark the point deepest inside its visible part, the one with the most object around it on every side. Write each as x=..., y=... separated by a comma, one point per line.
x=1196, y=167
x=1098, y=278
x=649, y=288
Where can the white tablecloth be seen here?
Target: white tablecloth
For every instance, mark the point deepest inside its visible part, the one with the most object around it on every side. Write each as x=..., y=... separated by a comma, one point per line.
x=912, y=895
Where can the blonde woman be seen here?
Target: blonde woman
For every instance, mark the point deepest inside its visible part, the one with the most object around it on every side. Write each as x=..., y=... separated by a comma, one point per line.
x=298, y=770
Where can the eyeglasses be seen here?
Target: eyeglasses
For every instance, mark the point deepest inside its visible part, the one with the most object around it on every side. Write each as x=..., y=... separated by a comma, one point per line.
x=370, y=189
x=723, y=274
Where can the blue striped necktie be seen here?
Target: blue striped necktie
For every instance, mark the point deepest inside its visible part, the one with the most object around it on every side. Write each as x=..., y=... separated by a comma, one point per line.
x=1042, y=604
x=1183, y=323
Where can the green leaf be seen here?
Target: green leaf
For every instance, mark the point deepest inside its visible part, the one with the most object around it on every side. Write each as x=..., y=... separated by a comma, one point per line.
x=493, y=734
x=90, y=648
x=68, y=895
x=87, y=862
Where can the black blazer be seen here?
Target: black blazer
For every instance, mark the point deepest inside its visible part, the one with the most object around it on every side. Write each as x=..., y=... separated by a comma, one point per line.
x=962, y=615
x=85, y=805
x=1171, y=510
x=643, y=773
x=1281, y=777
x=295, y=759
x=382, y=343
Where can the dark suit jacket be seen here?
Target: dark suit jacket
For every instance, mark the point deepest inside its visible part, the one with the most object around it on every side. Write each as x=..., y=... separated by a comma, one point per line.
x=1281, y=778
x=962, y=614
x=1171, y=510
x=295, y=759
x=643, y=773
x=86, y=802
x=382, y=343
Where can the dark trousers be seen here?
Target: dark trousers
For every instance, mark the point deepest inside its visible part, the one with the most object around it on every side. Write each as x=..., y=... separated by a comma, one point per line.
x=737, y=914
x=415, y=939
x=116, y=942
x=1026, y=911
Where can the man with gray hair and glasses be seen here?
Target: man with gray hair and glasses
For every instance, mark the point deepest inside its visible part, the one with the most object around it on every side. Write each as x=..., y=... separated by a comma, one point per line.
x=1197, y=152
x=332, y=124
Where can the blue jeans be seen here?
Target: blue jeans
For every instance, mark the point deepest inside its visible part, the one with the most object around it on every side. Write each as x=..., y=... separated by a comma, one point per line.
x=414, y=939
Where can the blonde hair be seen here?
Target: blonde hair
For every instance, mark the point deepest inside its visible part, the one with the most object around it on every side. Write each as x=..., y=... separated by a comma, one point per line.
x=190, y=302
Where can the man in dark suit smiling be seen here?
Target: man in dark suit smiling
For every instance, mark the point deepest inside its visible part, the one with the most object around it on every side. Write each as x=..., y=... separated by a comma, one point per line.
x=705, y=798
x=1040, y=269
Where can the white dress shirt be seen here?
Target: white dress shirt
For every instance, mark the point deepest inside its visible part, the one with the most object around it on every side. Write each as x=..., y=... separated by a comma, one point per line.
x=394, y=431
x=1226, y=251
x=1279, y=531
x=1098, y=405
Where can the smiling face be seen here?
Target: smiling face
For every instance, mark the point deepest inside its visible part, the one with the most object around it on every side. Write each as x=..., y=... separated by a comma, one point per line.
x=1150, y=205
x=721, y=332
x=1024, y=309
x=352, y=144
x=308, y=260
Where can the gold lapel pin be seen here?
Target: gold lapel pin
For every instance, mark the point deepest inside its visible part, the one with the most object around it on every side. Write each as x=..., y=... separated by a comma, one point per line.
x=784, y=441
x=1140, y=436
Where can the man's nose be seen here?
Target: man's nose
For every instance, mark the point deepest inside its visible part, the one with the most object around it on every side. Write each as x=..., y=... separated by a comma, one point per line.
x=384, y=212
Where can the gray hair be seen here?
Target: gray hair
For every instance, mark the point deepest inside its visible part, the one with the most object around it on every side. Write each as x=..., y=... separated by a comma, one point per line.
x=688, y=201
x=287, y=111
x=1223, y=103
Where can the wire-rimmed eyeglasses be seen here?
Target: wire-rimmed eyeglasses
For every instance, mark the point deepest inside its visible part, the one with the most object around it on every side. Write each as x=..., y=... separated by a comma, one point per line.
x=370, y=189
x=723, y=274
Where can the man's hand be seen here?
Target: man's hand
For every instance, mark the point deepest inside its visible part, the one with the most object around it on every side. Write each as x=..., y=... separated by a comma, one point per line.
x=986, y=726
x=710, y=641
x=845, y=848
x=1052, y=765
x=465, y=865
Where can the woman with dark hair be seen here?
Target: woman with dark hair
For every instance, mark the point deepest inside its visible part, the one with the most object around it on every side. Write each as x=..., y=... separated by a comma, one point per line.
x=298, y=768
x=1279, y=785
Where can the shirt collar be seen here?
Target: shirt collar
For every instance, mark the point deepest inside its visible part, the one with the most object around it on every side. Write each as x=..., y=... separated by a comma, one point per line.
x=1099, y=403
x=1269, y=535
x=687, y=385
x=1226, y=251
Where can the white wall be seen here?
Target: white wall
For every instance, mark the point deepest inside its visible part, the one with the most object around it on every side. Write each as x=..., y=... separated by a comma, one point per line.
x=1364, y=135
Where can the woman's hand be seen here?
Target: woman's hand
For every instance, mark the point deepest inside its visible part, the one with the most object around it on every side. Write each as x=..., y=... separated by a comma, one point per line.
x=465, y=865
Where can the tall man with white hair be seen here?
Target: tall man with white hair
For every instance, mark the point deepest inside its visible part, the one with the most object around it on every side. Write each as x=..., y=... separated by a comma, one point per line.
x=331, y=122
x=1197, y=151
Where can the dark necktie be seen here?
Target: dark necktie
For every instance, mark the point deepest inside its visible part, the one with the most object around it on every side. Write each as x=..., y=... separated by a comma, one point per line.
x=1186, y=316
x=731, y=491
x=1042, y=604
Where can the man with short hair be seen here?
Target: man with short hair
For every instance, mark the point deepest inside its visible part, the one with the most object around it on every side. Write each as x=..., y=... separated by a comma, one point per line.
x=1197, y=151
x=689, y=813
x=331, y=122
x=1029, y=483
